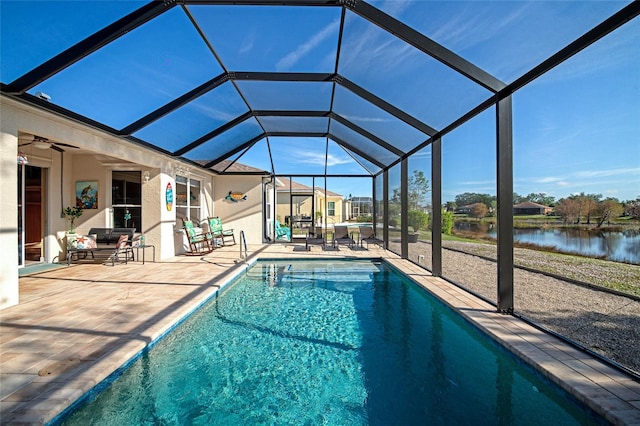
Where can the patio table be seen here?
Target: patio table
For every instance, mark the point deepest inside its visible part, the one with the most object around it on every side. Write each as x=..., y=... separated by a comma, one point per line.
x=144, y=247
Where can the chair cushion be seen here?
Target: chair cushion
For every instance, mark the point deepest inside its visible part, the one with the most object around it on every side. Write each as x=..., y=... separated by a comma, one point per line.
x=191, y=232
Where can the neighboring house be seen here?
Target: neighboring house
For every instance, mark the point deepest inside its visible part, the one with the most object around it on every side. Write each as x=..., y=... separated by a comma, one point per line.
x=468, y=209
x=297, y=203
x=529, y=208
x=464, y=209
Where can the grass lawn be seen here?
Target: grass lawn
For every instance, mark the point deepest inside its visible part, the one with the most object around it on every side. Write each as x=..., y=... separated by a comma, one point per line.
x=614, y=275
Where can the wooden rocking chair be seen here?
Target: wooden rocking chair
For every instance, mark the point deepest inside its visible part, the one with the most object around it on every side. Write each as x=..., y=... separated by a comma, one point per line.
x=199, y=243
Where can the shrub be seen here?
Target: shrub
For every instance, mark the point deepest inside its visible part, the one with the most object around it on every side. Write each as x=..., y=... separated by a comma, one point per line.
x=417, y=219
x=447, y=222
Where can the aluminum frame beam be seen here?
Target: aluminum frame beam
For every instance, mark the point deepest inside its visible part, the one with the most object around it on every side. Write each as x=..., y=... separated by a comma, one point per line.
x=385, y=217
x=425, y=44
x=301, y=134
x=281, y=76
x=350, y=147
x=386, y=145
x=385, y=106
x=175, y=104
x=290, y=113
x=244, y=146
x=504, y=145
x=404, y=208
x=213, y=133
x=329, y=3
x=436, y=210
x=352, y=155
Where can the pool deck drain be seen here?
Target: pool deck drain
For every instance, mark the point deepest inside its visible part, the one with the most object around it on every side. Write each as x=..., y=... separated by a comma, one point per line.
x=75, y=325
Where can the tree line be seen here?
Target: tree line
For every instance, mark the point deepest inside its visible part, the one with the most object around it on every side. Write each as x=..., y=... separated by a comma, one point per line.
x=573, y=209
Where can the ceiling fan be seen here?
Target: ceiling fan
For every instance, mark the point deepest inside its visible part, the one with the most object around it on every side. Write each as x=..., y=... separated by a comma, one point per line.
x=40, y=142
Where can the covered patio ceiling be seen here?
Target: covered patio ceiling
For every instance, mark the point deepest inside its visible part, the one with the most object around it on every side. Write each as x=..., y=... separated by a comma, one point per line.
x=306, y=87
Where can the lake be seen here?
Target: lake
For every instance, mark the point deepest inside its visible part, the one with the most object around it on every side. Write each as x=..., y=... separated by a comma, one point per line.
x=617, y=246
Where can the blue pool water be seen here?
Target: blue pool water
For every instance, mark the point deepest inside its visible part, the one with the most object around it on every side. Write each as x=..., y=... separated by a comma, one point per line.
x=339, y=343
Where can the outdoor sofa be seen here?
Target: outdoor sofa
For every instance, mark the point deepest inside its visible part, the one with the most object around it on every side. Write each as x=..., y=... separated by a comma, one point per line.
x=104, y=240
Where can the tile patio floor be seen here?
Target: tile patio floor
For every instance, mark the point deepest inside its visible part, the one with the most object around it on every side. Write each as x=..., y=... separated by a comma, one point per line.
x=77, y=324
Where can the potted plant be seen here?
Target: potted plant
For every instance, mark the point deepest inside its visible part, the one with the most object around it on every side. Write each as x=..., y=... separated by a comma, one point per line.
x=416, y=220
x=72, y=213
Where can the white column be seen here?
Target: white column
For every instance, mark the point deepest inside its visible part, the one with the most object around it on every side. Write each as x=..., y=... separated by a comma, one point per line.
x=8, y=218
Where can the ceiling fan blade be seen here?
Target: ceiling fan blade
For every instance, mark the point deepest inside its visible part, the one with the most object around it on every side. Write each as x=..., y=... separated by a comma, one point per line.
x=29, y=139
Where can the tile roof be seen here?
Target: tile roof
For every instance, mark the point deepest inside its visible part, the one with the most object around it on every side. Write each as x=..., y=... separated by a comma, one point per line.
x=298, y=187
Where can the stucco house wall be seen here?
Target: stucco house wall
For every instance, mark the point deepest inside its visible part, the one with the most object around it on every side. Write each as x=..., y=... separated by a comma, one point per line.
x=339, y=211
x=245, y=215
x=100, y=153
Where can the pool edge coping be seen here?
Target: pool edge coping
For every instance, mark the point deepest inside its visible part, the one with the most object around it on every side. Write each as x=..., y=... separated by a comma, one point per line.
x=535, y=347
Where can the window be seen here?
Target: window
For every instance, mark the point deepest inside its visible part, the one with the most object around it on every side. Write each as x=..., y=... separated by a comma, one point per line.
x=126, y=200
x=188, y=199
x=331, y=208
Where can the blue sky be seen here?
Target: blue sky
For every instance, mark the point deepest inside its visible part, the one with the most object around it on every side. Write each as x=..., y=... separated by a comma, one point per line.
x=576, y=129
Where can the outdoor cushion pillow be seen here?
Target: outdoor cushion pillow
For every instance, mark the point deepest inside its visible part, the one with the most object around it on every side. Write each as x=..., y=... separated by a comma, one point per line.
x=85, y=242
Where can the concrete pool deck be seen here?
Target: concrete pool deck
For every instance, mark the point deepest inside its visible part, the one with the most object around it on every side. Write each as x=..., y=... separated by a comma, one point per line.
x=75, y=325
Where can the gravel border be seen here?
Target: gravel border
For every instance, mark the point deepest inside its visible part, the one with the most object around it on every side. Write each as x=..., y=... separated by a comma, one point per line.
x=605, y=323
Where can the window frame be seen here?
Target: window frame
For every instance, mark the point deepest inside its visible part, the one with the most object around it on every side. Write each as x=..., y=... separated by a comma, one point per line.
x=192, y=204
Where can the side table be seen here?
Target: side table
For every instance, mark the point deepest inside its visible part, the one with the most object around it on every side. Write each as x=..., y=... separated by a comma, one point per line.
x=144, y=247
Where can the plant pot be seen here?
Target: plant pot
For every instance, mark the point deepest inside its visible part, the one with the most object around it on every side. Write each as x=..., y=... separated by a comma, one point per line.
x=413, y=238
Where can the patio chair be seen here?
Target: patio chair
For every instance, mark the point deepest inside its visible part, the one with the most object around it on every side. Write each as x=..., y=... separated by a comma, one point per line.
x=341, y=235
x=314, y=237
x=282, y=231
x=122, y=250
x=199, y=242
x=367, y=235
x=215, y=227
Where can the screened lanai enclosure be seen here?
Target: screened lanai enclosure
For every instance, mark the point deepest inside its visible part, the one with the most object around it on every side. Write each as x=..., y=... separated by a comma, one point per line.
x=364, y=101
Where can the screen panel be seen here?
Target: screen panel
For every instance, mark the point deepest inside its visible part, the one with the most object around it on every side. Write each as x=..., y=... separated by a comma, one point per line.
x=286, y=95
x=404, y=76
x=136, y=74
x=304, y=39
x=362, y=143
x=295, y=124
x=376, y=121
x=226, y=142
x=485, y=33
x=293, y=154
x=195, y=119
x=52, y=26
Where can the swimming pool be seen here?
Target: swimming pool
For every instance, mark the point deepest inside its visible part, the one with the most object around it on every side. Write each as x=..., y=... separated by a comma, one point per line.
x=311, y=342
